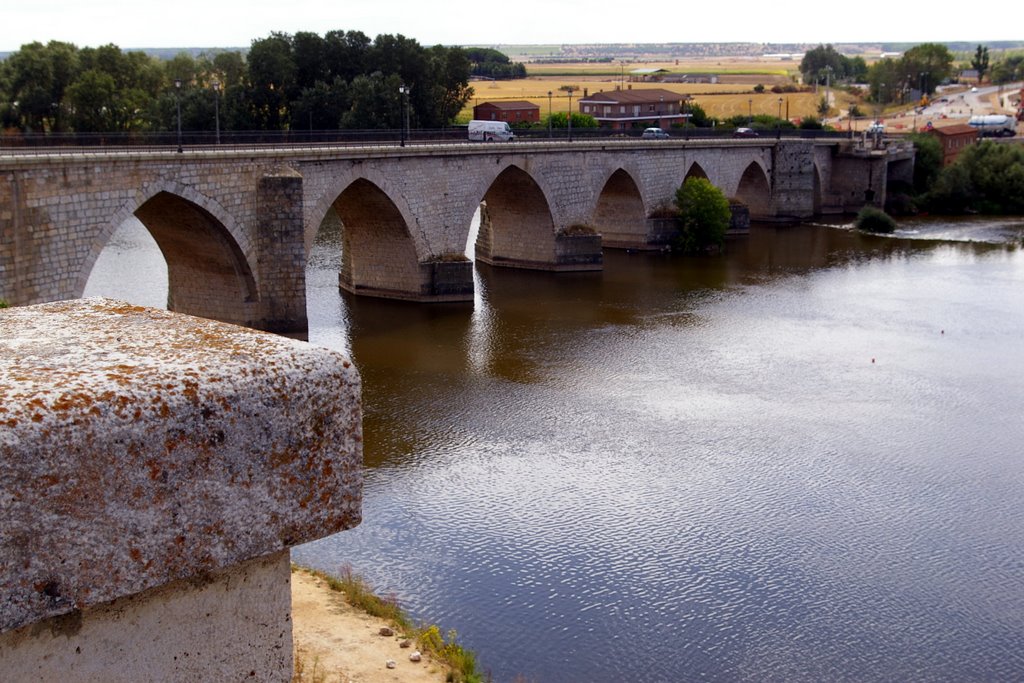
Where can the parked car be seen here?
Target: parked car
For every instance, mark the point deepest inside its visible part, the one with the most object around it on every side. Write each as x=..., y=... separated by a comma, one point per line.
x=653, y=134
x=745, y=133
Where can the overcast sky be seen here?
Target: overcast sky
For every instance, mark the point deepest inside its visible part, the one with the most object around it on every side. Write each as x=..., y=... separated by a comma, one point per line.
x=213, y=23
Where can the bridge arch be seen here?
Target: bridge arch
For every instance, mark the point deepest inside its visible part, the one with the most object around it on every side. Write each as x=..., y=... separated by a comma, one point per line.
x=516, y=226
x=209, y=258
x=620, y=216
x=754, y=190
x=326, y=201
x=378, y=253
x=695, y=171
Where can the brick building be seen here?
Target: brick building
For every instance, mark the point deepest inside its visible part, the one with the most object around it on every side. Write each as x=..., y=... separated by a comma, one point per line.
x=954, y=139
x=640, y=108
x=516, y=111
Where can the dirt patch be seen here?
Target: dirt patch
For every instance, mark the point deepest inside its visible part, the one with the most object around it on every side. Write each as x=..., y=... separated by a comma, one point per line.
x=335, y=643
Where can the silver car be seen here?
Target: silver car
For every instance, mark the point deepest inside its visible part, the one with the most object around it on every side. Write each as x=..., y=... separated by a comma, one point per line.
x=654, y=134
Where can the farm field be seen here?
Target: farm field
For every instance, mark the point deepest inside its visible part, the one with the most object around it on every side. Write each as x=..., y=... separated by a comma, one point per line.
x=733, y=95
x=720, y=100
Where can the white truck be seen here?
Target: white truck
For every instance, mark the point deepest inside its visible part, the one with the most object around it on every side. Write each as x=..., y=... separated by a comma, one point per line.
x=996, y=125
x=490, y=131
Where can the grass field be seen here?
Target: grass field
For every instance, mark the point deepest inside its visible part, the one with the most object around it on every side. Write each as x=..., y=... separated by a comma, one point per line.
x=720, y=100
x=733, y=95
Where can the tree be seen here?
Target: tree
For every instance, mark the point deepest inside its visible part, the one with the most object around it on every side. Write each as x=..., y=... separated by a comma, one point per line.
x=927, y=161
x=376, y=102
x=560, y=119
x=490, y=63
x=883, y=78
x=448, y=76
x=980, y=62
x=1008, y=70
x=346, y=54
x=321, y=107
x=272, y=79
x=925, y=66
x=704, y=215
x=698, y=117
x=987, y=177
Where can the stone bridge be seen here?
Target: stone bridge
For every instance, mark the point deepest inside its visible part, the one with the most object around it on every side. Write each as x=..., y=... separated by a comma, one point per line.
x=235, y=225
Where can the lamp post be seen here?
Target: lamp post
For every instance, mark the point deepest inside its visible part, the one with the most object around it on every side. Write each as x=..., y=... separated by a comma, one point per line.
x=216, y=109
x=402, y=93
x=750, y=112
x=177, y=104
x=549, y=114
x=661, y=109
x=569, y=89
x=778, y=124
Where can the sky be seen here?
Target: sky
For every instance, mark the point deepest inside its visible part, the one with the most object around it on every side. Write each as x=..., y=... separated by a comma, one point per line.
x=206, y=23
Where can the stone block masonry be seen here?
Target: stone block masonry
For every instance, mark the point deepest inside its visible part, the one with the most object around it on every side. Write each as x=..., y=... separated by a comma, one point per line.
x=154, y=471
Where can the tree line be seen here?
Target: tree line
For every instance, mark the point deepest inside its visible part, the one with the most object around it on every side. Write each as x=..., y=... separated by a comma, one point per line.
x=921, y=68
x=283, y=82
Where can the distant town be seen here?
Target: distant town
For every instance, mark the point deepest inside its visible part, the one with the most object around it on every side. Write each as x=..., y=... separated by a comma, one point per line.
x=648, y=51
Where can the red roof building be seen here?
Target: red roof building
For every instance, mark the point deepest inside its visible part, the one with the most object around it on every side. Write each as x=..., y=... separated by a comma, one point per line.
x=640, y=108
x=954, y=139
x=511, y=112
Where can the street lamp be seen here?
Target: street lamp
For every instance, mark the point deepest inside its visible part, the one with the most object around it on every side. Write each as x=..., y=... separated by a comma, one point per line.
x=549, y=114
x=403, y=92
x=750, y=112
x=778, y=124
x=569, y=89
x=177, y=103
x=216, y=108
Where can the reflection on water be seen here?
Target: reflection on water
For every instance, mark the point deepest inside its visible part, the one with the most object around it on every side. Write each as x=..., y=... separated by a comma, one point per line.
x=798, y=461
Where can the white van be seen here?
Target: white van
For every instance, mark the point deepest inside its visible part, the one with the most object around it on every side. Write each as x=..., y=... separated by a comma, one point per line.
x=490, y=131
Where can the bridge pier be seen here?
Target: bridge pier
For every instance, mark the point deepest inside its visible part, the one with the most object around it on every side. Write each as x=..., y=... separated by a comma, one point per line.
x=439, y=281
x=537, y=247
x=282, y=254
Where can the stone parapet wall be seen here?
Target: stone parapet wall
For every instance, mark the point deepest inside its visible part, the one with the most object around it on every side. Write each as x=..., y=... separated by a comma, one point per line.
x=141, y=449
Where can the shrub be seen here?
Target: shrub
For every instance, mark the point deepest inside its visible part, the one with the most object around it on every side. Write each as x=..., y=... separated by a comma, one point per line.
x=927, y=161
x=987, y=177
x=703, y=216
x=3, y=303
x=871, y=219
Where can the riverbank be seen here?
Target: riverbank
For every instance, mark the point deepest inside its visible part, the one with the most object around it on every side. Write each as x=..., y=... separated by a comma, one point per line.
x=336, y=641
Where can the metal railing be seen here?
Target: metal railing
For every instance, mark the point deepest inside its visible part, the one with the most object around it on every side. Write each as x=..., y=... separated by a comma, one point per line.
x=206, y=140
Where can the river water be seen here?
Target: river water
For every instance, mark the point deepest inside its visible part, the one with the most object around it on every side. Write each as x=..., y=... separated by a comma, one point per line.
x=802, y=460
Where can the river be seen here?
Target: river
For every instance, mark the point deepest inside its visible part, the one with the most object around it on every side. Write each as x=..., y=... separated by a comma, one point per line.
x=801, y=460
